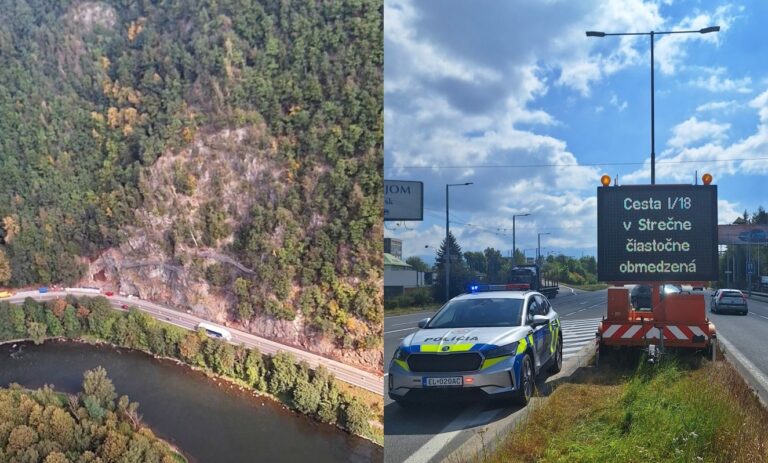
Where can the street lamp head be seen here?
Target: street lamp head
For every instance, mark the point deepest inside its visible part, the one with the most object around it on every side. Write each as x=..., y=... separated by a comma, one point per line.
x=468, y=183
x=707, y=30
x=595, y=34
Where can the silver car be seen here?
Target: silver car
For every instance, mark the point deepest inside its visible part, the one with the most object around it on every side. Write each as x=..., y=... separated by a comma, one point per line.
x=729, y=300
x=490, y=343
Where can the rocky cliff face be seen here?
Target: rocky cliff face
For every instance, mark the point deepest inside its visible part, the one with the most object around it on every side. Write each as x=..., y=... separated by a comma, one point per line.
x=167, y=253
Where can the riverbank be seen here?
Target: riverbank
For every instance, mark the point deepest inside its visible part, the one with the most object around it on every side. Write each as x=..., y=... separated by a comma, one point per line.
x=280, y=377
x=210, y=419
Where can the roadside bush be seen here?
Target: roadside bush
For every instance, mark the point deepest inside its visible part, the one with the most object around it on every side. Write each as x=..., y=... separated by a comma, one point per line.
x=418, y=297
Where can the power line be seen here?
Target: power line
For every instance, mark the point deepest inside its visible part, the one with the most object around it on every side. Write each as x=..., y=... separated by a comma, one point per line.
x=598, y=164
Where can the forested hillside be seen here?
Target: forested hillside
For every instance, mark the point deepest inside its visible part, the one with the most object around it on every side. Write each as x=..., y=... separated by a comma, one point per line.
x=219, y=155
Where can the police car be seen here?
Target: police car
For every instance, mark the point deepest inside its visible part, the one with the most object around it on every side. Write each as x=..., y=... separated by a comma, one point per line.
x=489, y=343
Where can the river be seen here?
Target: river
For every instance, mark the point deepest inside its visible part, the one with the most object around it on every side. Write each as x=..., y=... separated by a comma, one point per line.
x=207, y=421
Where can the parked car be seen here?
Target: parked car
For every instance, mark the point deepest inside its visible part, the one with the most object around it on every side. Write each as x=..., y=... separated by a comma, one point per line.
x=640, y=297
x=729, y=300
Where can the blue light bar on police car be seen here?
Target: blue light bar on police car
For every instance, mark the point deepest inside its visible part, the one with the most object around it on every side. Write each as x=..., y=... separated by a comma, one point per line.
x=508, y=287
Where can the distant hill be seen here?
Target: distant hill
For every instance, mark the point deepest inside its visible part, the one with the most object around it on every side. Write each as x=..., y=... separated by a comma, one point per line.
x=223, y=156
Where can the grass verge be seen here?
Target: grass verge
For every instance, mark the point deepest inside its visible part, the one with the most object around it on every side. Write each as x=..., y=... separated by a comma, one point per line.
x=684, y=409
x=413, y=309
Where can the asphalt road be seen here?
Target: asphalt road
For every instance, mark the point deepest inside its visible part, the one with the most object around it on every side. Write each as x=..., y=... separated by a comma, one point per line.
x=432, y=434
x=747, y=333
x=341, y=371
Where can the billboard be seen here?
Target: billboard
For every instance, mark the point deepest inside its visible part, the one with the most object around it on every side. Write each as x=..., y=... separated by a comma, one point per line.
x=742, y=234
x=403, y=200
x=657, y=233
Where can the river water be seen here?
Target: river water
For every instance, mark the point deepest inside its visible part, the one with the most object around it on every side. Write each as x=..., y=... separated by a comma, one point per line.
x=207, y=421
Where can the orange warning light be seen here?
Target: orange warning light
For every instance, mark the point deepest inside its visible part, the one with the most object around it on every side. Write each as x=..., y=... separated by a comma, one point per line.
x=706, y=178
x=605, y=180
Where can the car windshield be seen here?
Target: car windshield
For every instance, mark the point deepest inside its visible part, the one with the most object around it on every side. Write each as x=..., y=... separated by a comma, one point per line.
x=731, y=294
x=485, y=312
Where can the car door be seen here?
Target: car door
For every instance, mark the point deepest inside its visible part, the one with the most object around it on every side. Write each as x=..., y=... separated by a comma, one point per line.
x=539, y=332
x=550, y=338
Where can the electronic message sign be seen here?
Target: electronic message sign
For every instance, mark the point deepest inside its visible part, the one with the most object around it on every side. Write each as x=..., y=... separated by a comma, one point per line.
x=657, y=233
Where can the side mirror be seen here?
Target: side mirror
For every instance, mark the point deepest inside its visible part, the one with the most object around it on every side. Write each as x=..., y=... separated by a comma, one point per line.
x=539, y=320
x=423, y=322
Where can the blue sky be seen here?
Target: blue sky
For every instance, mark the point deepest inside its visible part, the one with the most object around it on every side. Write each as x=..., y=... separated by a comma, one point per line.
x=506, y=84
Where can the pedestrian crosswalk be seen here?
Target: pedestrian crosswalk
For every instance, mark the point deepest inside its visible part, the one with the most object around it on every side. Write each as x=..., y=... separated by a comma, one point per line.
x=576, y=334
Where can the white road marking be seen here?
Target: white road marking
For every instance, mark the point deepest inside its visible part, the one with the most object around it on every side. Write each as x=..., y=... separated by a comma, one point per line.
x=753, y=370
x=468, y=419
x=576, y=334
x=404, y=329
x=409, y=314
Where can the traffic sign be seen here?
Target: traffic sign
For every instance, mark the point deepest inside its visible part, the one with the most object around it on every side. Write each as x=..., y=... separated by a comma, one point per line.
x=403, y=200
x=657, y=233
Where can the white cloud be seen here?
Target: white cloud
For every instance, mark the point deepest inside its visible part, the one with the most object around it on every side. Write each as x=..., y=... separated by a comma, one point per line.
x=716, y=83
x=669, y=49
x=615, y=102
x=719, y=106
x=748, y=155
x=761, y=104
x=693, y=130
x=727, y=211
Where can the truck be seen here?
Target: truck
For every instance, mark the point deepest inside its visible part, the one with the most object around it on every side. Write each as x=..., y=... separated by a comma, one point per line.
x=531, y=275
x=215, y=331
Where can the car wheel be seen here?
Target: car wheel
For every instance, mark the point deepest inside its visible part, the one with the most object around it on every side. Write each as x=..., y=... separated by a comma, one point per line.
x=744, y=313
x=557, y=364
x=525, y=391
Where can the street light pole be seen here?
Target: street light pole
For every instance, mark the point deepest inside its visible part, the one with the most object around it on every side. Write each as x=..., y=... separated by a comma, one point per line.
x=513, y=235
x=538, y=248
x=705, y=30
x=447, y=251
x=653, y=121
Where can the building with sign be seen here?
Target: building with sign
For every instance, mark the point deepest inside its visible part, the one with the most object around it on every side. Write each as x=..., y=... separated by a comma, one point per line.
x=399, y=277
x=393, y=246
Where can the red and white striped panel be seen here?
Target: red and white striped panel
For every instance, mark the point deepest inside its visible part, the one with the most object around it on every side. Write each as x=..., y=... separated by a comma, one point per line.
x=638, y=331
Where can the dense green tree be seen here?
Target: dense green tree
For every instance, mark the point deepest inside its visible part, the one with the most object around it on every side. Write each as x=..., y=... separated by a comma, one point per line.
x=417, y=263
x=5, y=268
x=36, y=331
x=70, y=322
x=18, y=320
x=459, y=273
x=53, y=324
x=283, y=373
x=356, y=416
x=99, y=387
